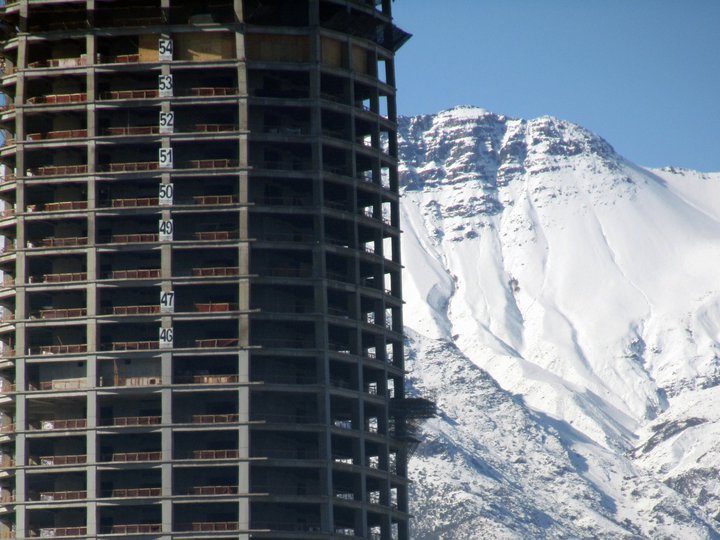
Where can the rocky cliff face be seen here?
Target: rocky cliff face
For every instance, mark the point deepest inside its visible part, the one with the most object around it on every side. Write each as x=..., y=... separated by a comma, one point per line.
x=563, y=307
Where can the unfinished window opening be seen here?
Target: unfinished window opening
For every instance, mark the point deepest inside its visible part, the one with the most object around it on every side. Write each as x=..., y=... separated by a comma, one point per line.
x=383, y=109
x=382, y=70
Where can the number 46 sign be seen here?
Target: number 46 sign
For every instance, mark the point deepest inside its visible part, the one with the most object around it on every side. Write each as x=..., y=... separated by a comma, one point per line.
x=166, y=338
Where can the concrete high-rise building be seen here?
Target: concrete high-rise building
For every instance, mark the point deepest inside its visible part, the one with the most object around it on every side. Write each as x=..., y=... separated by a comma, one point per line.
x=202, y=325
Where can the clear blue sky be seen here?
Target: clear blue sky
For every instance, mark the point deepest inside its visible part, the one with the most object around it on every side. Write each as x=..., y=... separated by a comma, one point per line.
x=643, y=74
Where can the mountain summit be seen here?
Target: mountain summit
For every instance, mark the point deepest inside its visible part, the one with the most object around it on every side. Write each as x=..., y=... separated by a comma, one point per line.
x=563, y=307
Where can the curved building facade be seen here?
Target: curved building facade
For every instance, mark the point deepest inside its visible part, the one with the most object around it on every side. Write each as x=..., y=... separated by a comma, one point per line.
x=202, y=327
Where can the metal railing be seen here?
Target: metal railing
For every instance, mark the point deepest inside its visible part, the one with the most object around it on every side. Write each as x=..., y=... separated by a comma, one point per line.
x=70, y=241
x=213, y=91
x=206, y=236
x=212, y=163
x=61, y=495
x=214, y=418
x=136, y=492
x=206, y=200
x=136, y=528
x=134, y=310
x=59, y=278
x=207, y=307
x=59, y=531
x=216, y=343
x=59, y=349
x=146, y=273
x=132, y=421
x=130, y=94
x=213, y=490
x=222, y=271
x=71, y=459
x=132, y=345
x=51, y=99
x=58, y=170
x=135, y=203
x=132, y=130
x=63, y=423
x=64, y=206
x=215, y=454
x=62, y=134
x=127, y=457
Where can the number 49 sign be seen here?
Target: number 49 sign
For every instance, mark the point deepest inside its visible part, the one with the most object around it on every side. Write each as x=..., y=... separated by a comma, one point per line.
x=165, y=229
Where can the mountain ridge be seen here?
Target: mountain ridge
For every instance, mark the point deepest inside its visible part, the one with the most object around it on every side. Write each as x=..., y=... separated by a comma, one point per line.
x=574, y=278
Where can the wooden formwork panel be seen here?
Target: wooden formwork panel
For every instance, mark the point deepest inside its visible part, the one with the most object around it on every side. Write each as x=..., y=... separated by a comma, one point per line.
x=204, y=46
x=277, y=48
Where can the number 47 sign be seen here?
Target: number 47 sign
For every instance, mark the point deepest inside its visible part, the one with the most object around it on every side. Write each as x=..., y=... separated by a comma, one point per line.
x=167, y=302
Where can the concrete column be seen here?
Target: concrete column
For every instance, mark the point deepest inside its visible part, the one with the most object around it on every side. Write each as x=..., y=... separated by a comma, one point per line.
x=238, y=7
x=20, y=455
x=243, y=366
x=92, y=263
x=20, y=512
x=92, y=449
x=24, y=12
x=244, y=516
x=166, y=437
x=319, y=269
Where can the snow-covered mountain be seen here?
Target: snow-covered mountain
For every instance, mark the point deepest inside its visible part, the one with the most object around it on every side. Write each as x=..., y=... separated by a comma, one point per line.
x=563, y=310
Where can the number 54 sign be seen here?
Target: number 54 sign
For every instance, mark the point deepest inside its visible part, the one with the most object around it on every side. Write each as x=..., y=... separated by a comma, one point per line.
x=165, y=49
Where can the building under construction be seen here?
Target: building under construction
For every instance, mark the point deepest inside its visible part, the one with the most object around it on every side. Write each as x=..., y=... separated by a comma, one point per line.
x=201, y=296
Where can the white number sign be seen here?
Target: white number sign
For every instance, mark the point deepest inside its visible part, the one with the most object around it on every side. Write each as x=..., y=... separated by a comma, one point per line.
x=167, y=122
x=165, y=158
x=165, y=194
x=167, y=302
x=166, y=338
x=165, y=229
x=165, y=48
x=165, y=85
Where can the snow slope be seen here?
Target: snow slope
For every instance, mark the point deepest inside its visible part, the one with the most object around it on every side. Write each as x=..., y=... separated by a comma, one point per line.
x=538, y=258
